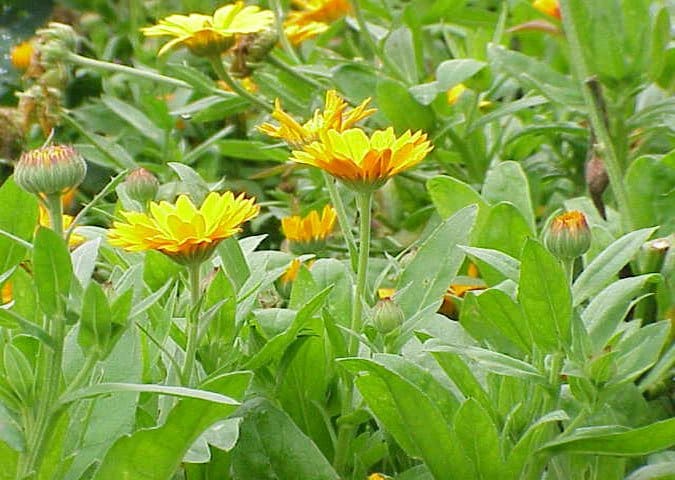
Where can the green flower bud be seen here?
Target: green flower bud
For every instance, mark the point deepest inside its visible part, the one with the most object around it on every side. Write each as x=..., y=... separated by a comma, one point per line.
x=260, y=44
x=653, y=254
x=387, y=316
x=58, y=41
x=141, y=185
x=50, y=170
x=568, y=236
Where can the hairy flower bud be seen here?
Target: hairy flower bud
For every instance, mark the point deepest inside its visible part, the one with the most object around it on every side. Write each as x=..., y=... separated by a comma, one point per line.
x=50, y=170
x=141, y=185
x=387, y=316
x=568, y=236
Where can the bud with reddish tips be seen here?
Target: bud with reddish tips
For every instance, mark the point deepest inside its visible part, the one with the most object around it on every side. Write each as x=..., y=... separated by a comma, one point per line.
x=51, y=170
x=568, y=236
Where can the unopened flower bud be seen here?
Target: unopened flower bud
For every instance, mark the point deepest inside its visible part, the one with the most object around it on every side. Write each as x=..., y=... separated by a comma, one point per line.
x=653, y=254
x=387, y=316
x=50, y=170
x=141, y=185
x=261, y=43
x=568, y=236
x=58, y=40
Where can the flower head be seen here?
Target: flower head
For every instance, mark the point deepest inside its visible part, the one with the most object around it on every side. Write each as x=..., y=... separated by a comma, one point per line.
x=568, y=236
x=310, y=232
x=298, y=33
x=318, y=11
x=50, y=170
x=549, y=7
x=361, y=162
x=141, y=185
x=208, y=35
x=334, y=117
x=6, y=293
x=21, y=55
x=181, y=231
x=291, y=272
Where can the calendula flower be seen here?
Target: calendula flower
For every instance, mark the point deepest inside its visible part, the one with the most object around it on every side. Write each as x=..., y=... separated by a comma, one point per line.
x=207, y=35
x=75, y=239
x=454, y=93
x=365, y=163
x=298, y=33
x=335, y=116
x=50, y=170
x=549, y=7
x=21, y=55
x=318, y=11
x=384, y=293
x=291, y=272
x=450, y=306
x=309, y=233
x=181, y=231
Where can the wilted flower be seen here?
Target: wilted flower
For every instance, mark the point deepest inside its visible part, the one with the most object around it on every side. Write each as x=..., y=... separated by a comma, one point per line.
x=50, y=170
x=206, y=35
x=307, y=234
x=334, y=117
x=568, y=236
x=181, y=231
x=21, y=55
x=549, y=7
x=365, y=163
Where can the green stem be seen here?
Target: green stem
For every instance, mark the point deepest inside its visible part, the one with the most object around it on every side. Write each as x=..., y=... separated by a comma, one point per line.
x=608, y=149
x=363, y=27
x=117, y=68
x=192, y=325
x=283, y=39
x=343, y=220
x=569, y=269
x=218, y=67
x=346, y=429
x=83, y=375
x=55, y=210
x=292, y=71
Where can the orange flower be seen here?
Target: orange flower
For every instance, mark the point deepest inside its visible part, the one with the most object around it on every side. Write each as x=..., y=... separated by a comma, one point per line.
x=549, y=7
x=21, y=55
x=318, y=11
x=6, y=293
x=297, y=33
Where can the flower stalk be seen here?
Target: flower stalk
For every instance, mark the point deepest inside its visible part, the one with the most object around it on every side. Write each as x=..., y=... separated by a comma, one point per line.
x=218, y=67
x=192, y=329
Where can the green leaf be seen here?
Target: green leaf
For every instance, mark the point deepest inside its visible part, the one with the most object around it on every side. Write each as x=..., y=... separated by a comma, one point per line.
x=271, y=447
x=233, y=262
x=657, y=471
x=407, y=413
x=453, y=72
x=651, y=197
x=631, y=442
x=135, y=118
x=450, y=195
x=545, y=296
x=500, y=261
x=84, y=260
x=607, y=310
x=641, y=350
x=479, y=440
x=156, y=453
x=399, y=48
x=659, y=43
x=53, y=271
x=95, y=327
x=607, y=264
x=435, y=264
x=507, y=182
x=18, y=216
x=493, y=361
x=401, y=109
x=507, y=109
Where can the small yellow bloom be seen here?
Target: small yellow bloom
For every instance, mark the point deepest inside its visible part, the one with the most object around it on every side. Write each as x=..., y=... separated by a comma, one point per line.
x=291, y=272
x=297, y=33
x=75, y=239
x=376, y=476
x=181, y=231
x=450, y=305
x=454, y=93
x=6, y=293
x=364, y=163
x=318, y=11
x=310, y=229
x=384, y=293
x=246, y=82
x=208, y=35
x=549, y=7
x=334, y=117
x=21, y=55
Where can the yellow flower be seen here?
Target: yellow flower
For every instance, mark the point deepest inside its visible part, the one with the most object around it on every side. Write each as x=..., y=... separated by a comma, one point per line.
x=454, y=93
x=364, y=163
x=384, y=293
x=21, y=55
x=208, y=35
x=549, y=7
x=297, y=33
x=75, y=239
x=6, y=293
x=311, y=230
x=450, y=305
x=246, y=82
x=376, y=476
x=181, y=231
x=334, y=117
x=291, y=272
x=318, y=11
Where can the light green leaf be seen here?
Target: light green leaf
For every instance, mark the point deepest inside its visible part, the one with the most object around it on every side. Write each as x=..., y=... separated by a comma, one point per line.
x=18, y=216
x=507, y=182
x=53, y=271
